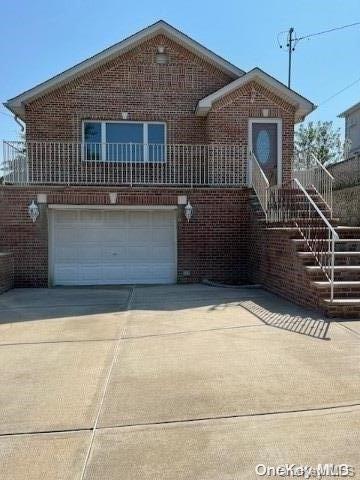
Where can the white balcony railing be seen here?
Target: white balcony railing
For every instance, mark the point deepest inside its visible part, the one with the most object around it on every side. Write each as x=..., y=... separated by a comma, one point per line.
x=130, y=164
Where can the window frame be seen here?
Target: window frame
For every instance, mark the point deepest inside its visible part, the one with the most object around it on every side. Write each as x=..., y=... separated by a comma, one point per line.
x=104, y=143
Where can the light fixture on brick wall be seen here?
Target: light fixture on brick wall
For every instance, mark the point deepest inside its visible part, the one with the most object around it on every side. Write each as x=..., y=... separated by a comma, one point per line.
x=33, y=211
x=162, y=58
x=188, y=210
x=113, y=197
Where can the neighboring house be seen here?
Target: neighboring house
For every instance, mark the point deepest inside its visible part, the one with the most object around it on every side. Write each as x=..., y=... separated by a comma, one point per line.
x=143, y=160
x=352, y=129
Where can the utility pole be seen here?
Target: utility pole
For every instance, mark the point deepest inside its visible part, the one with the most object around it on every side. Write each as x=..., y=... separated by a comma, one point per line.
x=291, y=48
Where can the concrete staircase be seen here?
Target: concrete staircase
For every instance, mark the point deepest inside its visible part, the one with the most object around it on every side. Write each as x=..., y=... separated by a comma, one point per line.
x=346, y=301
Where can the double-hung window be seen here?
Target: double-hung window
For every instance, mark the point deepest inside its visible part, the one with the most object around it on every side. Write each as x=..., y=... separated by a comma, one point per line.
x=124, y=141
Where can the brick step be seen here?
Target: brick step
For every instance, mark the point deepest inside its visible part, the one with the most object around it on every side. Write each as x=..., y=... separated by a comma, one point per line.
x=342, y=301
x=350, y=244
x=345, y=284
x=344, y=307
x=340, y=258
x=306, y=221
x=337, y=268
x=341, y=272
x=342, y=288
x=336, y=254
x=345, y=232
x=305, y=206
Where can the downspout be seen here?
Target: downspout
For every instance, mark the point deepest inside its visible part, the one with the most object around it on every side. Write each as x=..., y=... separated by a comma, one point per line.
x=16, y=118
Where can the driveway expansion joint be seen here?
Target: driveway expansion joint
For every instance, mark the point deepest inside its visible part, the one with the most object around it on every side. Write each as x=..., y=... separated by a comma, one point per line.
x=229, y=417
x=129, y=303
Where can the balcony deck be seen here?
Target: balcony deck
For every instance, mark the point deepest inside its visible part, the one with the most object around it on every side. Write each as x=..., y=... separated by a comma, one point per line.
x=69, y=163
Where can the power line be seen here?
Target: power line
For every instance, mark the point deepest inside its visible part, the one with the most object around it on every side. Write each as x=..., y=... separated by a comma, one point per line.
x=340, y=91
x=327, y=31
x=292, y=40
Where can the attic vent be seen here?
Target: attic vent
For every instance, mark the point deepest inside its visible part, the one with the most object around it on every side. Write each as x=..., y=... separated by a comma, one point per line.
x=162, y=58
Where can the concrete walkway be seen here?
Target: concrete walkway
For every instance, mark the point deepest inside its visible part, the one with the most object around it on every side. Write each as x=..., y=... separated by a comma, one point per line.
x=172, y=382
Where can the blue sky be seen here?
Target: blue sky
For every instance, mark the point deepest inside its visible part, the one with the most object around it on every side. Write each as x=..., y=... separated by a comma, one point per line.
x=42, y=38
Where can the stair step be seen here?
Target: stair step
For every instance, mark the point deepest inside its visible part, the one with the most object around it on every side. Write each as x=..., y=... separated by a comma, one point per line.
x=347, y=227
x=341, y=240
x=345, y=283
x=337, y=229
x=337, y=268
x=337, y=254
x=342, y=301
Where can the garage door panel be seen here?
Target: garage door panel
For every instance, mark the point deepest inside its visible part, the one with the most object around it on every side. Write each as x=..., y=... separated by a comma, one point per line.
x=113, y=247
x=66, y=274
x=67, y=217
x=115, y=219
x=162, y=236
x=140, y=219
x=138, y=236
x=64, y=234
x=114, y=253
x=161, y=254
x=89, y=273
x=91, y=217
x=162, y=220
x=115, y=235
x=87, y=234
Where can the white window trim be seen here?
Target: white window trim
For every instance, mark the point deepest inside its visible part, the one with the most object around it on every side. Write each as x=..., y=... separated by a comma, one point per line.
x=103, y=138
x=278, y=121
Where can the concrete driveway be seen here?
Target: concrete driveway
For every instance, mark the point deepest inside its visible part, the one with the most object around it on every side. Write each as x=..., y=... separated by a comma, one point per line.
x=172, y=382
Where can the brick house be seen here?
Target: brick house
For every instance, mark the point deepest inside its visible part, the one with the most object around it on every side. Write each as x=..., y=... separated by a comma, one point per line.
x=121, y=146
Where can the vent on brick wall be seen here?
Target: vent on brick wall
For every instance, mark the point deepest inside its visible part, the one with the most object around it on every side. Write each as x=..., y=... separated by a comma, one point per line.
x=162, y=58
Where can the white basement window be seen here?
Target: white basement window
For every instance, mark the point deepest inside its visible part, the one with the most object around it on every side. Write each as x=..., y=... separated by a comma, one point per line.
x=124, y=141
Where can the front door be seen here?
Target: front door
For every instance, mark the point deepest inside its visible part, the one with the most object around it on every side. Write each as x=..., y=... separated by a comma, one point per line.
x=264, y=142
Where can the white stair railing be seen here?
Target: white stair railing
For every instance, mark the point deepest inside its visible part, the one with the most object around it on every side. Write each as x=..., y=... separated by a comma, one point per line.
x=292, y=203
x=259, y=182
x=312, y=174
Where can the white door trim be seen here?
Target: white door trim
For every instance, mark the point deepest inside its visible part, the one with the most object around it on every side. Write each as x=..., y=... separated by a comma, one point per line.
x=278, y=121
x=65, y=206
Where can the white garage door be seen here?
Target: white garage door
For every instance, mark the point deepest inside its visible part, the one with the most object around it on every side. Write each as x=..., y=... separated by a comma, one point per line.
x=99, y=247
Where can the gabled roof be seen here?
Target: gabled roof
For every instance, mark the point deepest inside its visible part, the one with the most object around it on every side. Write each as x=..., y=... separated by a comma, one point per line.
x=16, y=104
x=350, y=110
x=302, y=105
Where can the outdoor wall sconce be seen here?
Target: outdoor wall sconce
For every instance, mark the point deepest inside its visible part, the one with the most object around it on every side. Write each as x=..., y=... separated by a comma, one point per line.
x=188, y=210
x=162, y=58
x=113, y=198
x=33, y=210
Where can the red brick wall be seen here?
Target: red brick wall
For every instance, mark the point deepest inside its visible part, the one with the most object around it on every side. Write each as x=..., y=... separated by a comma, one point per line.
x=131, y=83
x=6, y=271
x=227, y=122
x=212, y=246
x=273, y=263
x=134, y=83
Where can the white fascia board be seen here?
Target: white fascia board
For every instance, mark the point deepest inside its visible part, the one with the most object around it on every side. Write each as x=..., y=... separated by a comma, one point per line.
x=302, y=105
x=16, y=104
x=350, y=110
